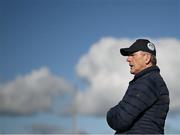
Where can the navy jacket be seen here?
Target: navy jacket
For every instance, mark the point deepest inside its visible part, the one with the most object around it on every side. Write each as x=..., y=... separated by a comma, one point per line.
x=144, y=107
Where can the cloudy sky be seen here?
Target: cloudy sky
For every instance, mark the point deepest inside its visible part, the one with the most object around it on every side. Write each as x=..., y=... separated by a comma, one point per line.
x=60, y=64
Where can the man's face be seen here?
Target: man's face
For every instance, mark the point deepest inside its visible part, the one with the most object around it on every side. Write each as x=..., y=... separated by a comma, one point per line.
x=137, y=62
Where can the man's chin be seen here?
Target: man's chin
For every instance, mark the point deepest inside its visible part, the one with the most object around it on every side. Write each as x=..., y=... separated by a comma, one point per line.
x=132, y=72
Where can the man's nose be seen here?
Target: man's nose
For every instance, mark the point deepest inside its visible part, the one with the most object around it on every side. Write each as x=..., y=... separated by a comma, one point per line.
x=128, y=59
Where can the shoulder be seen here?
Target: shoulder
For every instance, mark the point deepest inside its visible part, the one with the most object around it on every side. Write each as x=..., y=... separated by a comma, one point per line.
x=152, y=78
x=149, y=83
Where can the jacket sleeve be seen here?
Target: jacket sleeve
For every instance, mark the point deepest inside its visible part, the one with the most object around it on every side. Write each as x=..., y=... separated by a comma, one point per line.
x=136, y=100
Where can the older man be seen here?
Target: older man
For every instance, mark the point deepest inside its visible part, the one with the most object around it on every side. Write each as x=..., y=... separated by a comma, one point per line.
x=145, y=105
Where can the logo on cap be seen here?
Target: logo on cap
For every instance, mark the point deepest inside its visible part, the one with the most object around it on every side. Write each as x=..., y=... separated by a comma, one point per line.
x=151, y=46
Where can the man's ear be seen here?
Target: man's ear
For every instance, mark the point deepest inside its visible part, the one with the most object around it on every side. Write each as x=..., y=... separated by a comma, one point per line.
x=148, y=58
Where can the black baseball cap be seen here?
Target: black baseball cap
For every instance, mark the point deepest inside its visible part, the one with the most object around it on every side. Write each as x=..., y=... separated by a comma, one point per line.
x=139, y=45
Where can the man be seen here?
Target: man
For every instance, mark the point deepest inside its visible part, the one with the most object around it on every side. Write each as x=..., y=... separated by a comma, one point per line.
x=145, y=105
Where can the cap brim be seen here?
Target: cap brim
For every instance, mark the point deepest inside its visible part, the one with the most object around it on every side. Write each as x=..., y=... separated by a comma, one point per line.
x=125, y=51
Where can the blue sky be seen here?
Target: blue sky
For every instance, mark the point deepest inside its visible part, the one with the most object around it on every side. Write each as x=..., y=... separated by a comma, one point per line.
x=56, y=33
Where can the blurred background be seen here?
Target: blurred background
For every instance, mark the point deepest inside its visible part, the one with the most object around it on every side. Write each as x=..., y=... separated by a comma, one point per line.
x=60, y=66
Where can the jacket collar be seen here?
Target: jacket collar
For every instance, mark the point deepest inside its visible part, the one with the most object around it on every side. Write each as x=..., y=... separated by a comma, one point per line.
x=146, y=71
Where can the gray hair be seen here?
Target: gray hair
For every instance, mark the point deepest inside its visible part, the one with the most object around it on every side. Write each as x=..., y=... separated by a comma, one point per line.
x=153, y=60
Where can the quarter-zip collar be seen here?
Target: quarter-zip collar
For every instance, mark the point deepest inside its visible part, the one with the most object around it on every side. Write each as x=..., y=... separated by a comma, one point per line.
x=146, y=71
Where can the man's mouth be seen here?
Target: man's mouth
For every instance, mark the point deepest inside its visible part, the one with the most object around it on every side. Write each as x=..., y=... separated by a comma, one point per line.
x=131, y=65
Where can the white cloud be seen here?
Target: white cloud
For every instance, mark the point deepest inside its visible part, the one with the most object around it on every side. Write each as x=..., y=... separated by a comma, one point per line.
x=32, y=93
x=168, y=59
x=107, y=73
